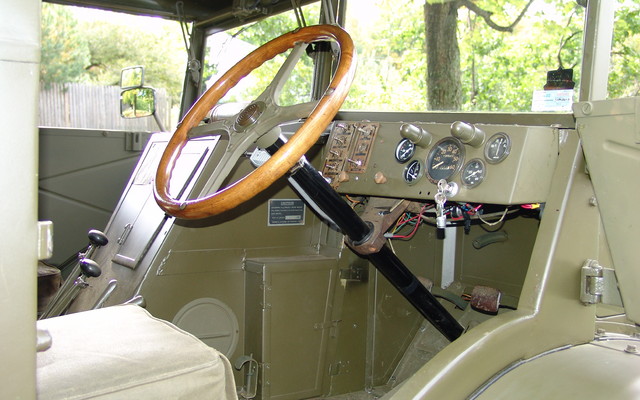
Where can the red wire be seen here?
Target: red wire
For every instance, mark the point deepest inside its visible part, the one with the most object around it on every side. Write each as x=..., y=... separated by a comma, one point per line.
x=415, y=228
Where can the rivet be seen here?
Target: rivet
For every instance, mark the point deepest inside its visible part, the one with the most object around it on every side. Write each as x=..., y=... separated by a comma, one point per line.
x=587, y=108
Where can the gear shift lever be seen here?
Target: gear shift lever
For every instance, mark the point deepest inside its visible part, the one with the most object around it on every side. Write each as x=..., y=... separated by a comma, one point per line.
x=77, y=280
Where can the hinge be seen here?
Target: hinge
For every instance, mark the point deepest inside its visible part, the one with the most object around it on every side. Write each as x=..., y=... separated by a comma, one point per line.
x=599, y=284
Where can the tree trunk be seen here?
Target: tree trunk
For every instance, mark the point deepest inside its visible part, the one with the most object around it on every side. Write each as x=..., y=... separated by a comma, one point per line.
x=443, y=55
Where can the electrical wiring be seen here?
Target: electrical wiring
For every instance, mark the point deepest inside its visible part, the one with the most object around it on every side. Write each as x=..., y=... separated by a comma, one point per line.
x=504, y=214
x=461, y=215
x=407, y=219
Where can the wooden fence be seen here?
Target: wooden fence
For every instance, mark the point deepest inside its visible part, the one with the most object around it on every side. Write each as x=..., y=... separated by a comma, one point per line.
x=76, y=105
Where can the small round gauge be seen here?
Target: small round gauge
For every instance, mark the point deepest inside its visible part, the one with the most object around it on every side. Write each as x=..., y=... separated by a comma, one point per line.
x=405, y=150
x=412, y=172
x=445, y=159
x=473, y=173
x=497, y=148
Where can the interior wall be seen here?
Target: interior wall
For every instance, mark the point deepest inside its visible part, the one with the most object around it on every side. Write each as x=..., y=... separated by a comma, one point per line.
x=19, y=75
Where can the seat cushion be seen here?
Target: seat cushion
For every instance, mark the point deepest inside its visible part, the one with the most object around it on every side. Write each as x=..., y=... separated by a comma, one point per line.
x=122, y=352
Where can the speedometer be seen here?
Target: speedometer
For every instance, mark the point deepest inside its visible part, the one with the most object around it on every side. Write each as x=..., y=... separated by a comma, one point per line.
x=445, y=159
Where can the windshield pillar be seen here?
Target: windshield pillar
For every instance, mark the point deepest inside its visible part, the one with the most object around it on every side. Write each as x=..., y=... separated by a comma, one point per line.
x=193, y=76
x=323, y=61
x=598, y=32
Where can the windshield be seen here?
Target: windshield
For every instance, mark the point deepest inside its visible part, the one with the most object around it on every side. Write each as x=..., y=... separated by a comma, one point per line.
x=224, y=49
x=472, y=56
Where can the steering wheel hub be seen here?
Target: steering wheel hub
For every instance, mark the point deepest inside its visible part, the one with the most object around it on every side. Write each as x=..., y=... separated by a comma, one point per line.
x=249, y=115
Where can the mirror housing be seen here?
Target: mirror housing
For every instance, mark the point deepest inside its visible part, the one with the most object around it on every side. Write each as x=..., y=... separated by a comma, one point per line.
x=137, y=102
x=132, y=77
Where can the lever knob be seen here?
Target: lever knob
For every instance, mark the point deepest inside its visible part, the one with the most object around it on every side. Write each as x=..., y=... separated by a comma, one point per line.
x=90, y=268
x=97, y=238
x=468, y=133
x=416, y=134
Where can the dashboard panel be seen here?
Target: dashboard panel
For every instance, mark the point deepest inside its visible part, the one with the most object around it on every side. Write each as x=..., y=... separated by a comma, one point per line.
x=489, y=163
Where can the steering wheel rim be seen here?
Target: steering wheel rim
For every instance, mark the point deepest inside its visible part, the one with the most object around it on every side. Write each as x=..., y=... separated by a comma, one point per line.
x=287, y=156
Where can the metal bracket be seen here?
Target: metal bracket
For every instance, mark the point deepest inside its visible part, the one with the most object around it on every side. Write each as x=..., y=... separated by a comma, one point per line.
x=250, y=388
x=599, y=284
x=135, y=141
x=354, y=274
x=380, y=214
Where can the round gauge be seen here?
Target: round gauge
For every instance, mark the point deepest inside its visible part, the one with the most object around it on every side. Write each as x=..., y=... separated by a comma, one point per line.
x=412, y=172
x=497, y=148
x=445, y=159
x=473, y=173
x=405, y=150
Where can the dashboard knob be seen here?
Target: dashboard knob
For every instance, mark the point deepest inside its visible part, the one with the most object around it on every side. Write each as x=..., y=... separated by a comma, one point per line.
x=343, y=177
x=90, y=268
x=97, y=238
x=416, y=134
x=379, y=178
x=468, y=133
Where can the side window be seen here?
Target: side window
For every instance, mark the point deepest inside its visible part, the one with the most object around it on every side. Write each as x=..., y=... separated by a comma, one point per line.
x=83, y=52
x=225, y=49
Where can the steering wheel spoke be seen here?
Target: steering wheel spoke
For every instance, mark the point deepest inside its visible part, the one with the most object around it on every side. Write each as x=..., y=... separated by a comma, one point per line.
x=254, y=121
x=272, y=92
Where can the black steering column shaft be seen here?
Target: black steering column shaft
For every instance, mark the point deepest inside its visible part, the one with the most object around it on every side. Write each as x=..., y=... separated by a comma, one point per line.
x=308, y=179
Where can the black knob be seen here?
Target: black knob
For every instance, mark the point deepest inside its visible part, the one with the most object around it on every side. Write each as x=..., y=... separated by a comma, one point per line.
x=97, y=238
x=90, y=268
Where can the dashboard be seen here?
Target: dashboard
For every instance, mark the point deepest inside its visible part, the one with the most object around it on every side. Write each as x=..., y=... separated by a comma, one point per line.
x=487, y=163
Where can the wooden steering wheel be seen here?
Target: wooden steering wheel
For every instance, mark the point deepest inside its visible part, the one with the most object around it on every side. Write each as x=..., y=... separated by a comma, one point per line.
x=253, y=122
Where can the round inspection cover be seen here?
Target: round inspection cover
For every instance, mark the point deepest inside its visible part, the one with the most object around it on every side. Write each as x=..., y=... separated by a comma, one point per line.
x=211, y=321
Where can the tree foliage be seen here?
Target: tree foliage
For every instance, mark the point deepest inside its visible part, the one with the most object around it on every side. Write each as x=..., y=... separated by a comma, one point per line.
x=64, y=53
x=298, y=86
x=624, y=75
x=95, y=51
x=505, y=53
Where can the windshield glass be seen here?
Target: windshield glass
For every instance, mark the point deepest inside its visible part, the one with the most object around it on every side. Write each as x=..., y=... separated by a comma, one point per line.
x=225, y=49
x=472, y=56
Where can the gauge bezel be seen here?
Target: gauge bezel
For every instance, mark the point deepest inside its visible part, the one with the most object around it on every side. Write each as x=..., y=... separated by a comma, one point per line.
x=502, y=156
x=401, y=143
x=432, y=154
x=415, y=180
x=482, y=177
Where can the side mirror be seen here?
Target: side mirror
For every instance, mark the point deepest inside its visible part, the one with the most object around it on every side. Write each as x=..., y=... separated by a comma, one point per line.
x=132, y=77
x=137, y=102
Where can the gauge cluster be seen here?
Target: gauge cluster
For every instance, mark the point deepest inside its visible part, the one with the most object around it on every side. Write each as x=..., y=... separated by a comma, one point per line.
x=506, y=164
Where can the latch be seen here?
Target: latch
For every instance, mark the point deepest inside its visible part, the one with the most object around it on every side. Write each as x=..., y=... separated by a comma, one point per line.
x=250, y=387
x=599, y=285
x=135, y=141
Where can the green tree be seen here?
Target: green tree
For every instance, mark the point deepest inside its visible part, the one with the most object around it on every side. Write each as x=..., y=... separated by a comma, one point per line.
x=296, y=89
x=113, y=46
x=444, y=82
x=500, y=70
x=391, y=63
x=96, y=51
x=624, y=75
x=64, y=52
